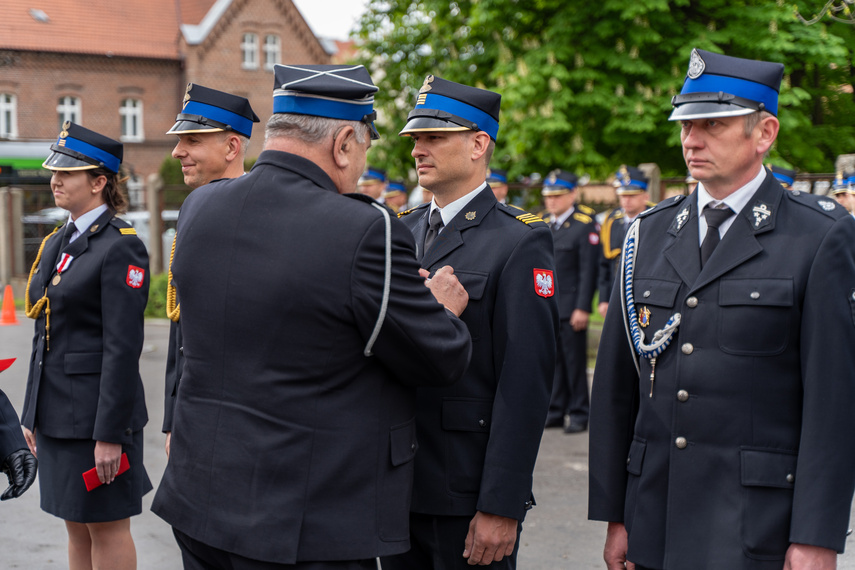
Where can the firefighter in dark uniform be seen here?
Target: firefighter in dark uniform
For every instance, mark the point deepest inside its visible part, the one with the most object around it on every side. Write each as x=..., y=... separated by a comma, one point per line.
x=213, y=130
x=16, y=460
x=784, y=176
x=294, y=430
x=84, y=405
x=478, y=438
x=497, y=178
x=576, y=239
x=722, y=432
x=395, y=196
x=631, y=189
x=843, y=190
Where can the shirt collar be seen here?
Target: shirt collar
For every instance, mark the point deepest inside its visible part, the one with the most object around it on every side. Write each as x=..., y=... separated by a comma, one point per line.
x=451, y=210
x=86, y=220
x=735, y=201
x=558, y=220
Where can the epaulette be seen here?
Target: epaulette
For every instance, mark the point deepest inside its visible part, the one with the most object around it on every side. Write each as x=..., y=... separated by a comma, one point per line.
x=615, y=214
x=672, y=201
x=527, y=218
x=822, y=204
x=586, y=209
x=582, y=218
x=411, y=210
x=123, y=226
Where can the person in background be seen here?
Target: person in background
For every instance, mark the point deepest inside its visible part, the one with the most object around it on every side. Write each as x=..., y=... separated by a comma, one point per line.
x=785, y=176
x=843, y=190
x=498, y=181
x=395, y=195
x=373, y=183
x=16, y=460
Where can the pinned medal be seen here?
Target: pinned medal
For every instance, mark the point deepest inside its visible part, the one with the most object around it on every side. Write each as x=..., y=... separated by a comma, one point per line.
x=470, y=216
x=644, y=317
x=56, y=279
x=63, y=265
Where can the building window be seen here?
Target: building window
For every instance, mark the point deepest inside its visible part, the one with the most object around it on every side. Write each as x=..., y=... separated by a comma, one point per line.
x=8, y=116
x=68, y=109
x=272, y=51
x=131, y=113
x=249, y=49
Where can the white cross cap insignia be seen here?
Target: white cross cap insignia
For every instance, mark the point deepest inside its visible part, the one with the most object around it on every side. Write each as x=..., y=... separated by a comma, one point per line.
x=696, y=65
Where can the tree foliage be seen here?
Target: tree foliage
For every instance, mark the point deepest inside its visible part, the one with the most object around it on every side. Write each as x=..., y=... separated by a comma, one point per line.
x=587, y=85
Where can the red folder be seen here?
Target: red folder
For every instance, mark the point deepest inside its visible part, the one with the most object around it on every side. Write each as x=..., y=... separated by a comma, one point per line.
x=91, y=476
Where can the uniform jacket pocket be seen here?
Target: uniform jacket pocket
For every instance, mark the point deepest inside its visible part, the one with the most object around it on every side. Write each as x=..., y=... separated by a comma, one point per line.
x=755, y=316
x=767, y=477
x=83, y=362
x=403, y=442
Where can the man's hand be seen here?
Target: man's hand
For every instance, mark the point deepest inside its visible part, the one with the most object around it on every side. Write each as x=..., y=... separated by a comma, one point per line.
x=490, y=538
x=107, y=459
x=614, y=552
x=168, y=441
x=807, y=557
x=447, y=289
x=579, y=320
x=20, y=467
x=603, y=308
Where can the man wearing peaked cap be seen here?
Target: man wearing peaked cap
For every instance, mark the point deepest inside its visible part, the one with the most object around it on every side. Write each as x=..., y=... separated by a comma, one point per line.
x=722, y=433
x=307, y=368
x=785, y=176
x=373, y=183
x=213, y=130
x=576, y=243
x=843, y=190
x=478, y=439
x=396, y=195
x=498, y=181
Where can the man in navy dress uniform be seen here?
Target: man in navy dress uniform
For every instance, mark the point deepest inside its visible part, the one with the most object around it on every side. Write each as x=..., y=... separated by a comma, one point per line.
x=631, y=189
x=723, y=435
x=843, y=190
x=785, y=176
x=576, y=241
x=16, y=461
x=497, y=178
x=479, y=438
x=373, y=183
x=213, y=130
x=307, y=326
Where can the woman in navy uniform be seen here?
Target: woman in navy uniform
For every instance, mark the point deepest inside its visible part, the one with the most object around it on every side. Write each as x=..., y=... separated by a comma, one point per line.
x=84, y=405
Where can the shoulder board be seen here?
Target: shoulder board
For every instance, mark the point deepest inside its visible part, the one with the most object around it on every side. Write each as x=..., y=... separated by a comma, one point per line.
x=515, y=206
x=527, y=218
x=582, y=218
x=664, y=204
x=411, y=210
x=650, y=204
x=586, y=209
x=128, y=231
x=615, y=214
x=823, y=204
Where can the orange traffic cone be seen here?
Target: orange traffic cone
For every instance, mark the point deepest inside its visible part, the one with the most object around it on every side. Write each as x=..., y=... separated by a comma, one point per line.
x=7, y=313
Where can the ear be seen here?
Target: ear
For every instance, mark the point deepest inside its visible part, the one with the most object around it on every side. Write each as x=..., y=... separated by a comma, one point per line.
x=768, y=132
x=98, y=183
x=343, y=143
x=234, y=147
x=480, y=144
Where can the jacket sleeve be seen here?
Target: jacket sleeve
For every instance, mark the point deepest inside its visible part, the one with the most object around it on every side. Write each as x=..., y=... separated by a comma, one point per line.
x=122, y=307
x=525, y=328
x=11, y=437
x=825, y=473
x=422, y=342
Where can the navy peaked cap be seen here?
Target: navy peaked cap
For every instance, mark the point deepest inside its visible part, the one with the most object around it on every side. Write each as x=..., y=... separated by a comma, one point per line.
x=78, y=148
x=559, y=182
x=497, y=175
x=444, y=105
x=785, y=176
x=718, y=85
x=207, y=110
x=343, y=92
x=630, y=180
x=372, y=174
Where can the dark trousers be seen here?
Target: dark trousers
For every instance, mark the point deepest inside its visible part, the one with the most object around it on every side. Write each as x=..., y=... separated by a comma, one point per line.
x=570, y=385
x=200, y=556
x=436, y=543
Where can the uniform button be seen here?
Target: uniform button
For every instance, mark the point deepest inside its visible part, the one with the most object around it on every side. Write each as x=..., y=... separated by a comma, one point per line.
x=683, y=396
x=755, y=295
x=790, y=478
x=687, y=348
x=692, y=302
x=129, y=431
x=40, y=363
x=796, y=192
x=627, y=460
x=646, y=294
x=181, y=349
x=412, y=446
x=681, y=443
x=482, y=423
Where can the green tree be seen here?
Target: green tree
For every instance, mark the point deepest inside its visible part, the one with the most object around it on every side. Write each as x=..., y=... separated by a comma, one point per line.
x=587, y=85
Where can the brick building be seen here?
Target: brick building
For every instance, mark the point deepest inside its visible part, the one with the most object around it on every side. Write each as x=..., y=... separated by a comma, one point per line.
x=121, y=68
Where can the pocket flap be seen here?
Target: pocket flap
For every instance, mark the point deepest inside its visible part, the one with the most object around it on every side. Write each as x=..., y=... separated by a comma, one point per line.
x=83, y=362
x=635, y=459
x=768, y=292
x=655, y=292
x=403, y=442
x=475, y=282
x=765, y=468
x=466, y=414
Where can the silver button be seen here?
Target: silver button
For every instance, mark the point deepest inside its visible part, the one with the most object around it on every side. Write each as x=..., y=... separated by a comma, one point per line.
x=681, y=443
x=683, y=396
x=687, y=348
x=790, y=478
x=796, y=192
x=482, y=423
x=646, y=294
x=628, y=460
x=412, y=446
x=692, y=302
x=755, y=295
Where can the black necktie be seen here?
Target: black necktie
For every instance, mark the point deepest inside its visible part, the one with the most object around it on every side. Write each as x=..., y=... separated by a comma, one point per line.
x=66, y=237
x=714, y=217
x=434, y=226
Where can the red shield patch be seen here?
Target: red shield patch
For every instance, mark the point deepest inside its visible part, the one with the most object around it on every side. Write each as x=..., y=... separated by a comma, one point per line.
x=136, y=276
x=594, y=238
x=544, y=284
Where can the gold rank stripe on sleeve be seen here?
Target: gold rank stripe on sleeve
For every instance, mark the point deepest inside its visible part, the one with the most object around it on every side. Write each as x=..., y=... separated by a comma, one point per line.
x=128, y=231
x=582, y=218
x=528, y=218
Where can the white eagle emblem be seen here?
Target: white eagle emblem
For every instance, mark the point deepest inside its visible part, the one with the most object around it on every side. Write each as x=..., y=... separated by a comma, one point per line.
x=543, y=283
x=136, y=276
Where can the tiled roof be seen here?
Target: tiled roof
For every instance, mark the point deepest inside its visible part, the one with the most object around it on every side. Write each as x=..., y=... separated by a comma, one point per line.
x=138, y=28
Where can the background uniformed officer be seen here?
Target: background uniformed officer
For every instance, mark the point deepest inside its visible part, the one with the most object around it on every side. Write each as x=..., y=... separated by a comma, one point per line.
x=497, y=178
x=722, y=433
x=373, y=183
x=843, y=190
x=17, y=462
x=396, y=196
x=785, y=176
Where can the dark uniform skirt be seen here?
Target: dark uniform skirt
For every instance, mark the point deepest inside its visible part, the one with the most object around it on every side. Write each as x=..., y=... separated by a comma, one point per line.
x=62, y=463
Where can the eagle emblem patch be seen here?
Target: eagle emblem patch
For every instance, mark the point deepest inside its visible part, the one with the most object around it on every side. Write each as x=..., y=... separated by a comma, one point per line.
x=543, y=282
x=136, y=276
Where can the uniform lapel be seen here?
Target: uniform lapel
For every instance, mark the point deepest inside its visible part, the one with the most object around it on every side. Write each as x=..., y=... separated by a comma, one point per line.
x=452, y=236
x=81, y=244
x=684, y=253
x=419, y=233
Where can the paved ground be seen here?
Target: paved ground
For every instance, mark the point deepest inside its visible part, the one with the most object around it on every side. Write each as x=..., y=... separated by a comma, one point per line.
x=556, y=534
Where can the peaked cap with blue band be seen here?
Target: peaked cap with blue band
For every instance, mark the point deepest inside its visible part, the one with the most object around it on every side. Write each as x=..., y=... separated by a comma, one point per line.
x=630, y=180
x=559, y=182
x=372, y=174
x=497, y=176
x=207, y=110
x=785, y=176
x=394, y=188
x=722, y=86
x=843, y=183
x=443, y=105
x=78, y=148
x=343, y=92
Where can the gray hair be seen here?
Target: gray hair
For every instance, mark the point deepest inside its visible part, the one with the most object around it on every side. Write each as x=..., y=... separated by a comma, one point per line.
x=310, y=129
x=753, y=119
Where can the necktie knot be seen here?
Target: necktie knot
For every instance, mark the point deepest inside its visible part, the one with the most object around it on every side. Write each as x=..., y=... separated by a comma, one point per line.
x=715, y=217
x=434, y=225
